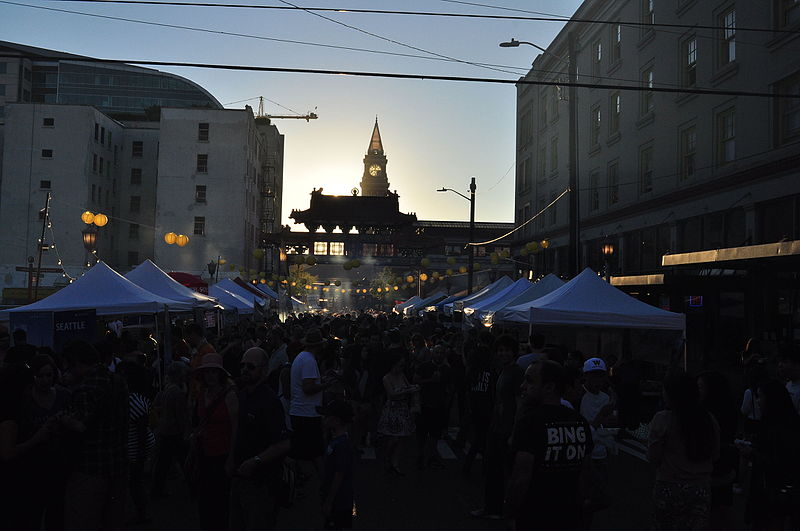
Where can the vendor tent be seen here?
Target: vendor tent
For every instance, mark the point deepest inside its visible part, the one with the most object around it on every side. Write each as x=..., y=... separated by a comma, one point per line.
x=254, y=290
x=410, y=302
x=498, y=284
x=107, y=292
x=268, y=291
x=449, y=300
x=424, y=303
x=587, y=300
x=498, y=311
x=509, y=292
x=149, y=276
x=244, y=293
x=231, y=300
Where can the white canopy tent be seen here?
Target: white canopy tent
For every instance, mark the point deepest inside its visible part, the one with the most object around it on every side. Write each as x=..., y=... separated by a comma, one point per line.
x=587, y=300
x=424, y=303
x=498, y=284
x=410, y=302
x=107, y=292
x=149, y=276
x=243, y=293
x=231, y=300
x=499, y=310
x=511, y=291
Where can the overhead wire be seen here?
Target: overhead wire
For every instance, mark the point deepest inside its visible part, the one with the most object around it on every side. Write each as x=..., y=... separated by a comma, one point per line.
x=503, y=177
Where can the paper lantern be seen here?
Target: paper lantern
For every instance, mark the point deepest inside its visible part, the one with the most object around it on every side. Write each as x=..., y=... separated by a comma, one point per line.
x=170, y=238
x=532, y=247
x=337, y=283
x=182, y=240
x=425, y=262
x=462, y=269
x=545, y=244
x=263, y=280
x=396, y=288
x=423, y=277
x=410, y=279
x=451, y=261
x=356, y=263
x=87, y=217
x=100, y=220
x=258, y=254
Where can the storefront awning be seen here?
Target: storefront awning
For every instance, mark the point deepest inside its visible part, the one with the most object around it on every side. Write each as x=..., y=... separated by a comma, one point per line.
x=638, y=280
x=734, y=254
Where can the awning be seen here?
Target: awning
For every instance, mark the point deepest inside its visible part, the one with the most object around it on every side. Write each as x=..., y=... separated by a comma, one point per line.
x=778, y=250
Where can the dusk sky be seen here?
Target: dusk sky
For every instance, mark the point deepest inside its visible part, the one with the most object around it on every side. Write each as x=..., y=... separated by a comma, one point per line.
x=435, y=133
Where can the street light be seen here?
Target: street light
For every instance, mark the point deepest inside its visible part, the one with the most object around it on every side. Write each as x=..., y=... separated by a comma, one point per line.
x=90, y=238
x=608, y=251
x=471, y=200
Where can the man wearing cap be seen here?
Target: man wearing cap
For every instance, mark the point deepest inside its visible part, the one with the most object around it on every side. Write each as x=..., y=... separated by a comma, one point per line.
x=260, y=444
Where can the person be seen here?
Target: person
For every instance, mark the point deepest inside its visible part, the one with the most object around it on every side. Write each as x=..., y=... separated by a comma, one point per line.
x=140, y=437
x=216, y=411
x=537, y=352
x=195, y=336
x=260, y=445
x=22, y=352
x=496, y=460
x=96, y=491
x=773, y=495
x=715, y=396
x=337, y=480
x=551, y=445
x=396, y=420
x=277, y=345
x=480, y=381
x=306, y=395
x=789, y=368
x=171, y=408
x=433, y=377
x=683, y=444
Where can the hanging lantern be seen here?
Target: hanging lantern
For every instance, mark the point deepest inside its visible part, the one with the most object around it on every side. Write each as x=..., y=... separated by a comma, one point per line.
x=170, y=238
x=451, y=261
x=425, y=262
x=342, y=291
x=435, y=274
x=258, y=254
x=222, y=261
x=356, y=263
x=263, y=280
x=545, y=244
x=294, y=284
x=462, y=269
x=337, y=283
x=423, y=277
x=379, y=290
x=100, y=220
x=396, y=288
x=87, y=217
x=410, y=279
x=307, y=286
x=449, y=272
x=311, y=260
x=270, y=283
x=532, y=247
x=182, y=240
x=347, y=266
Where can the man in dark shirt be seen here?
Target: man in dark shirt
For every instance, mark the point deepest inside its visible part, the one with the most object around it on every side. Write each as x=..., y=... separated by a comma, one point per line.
x=433, y=377
x=337, y=479
x=260, y=444
x=552, y=446
x=22, y=352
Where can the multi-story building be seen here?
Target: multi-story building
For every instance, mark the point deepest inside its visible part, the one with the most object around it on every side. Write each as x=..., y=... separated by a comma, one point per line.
x=665, y=173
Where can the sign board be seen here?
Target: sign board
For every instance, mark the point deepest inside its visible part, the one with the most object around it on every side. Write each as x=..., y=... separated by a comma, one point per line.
x=72, y=325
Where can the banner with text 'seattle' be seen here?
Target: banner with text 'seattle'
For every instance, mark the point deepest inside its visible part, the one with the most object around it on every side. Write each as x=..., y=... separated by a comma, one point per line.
x=71, y=325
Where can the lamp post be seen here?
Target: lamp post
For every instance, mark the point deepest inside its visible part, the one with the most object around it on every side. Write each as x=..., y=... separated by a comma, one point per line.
x=608, y=251
x=89, y=234
x=212, y=267
x=574, y=257
x=471, y=200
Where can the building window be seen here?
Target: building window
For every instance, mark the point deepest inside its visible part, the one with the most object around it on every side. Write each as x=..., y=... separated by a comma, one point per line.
x=726, y=136
x=103, y=135
x=594, y=192
x=133, y=231
x=597, y=58
x=526, y=127
x=202, y=163
x=136, y=203
x=594, y=133
x=336, y=248
x=553, y=210
x=648, y=14
x=133, y=258
x=137, y=149
x=136, y=176
x=615, y=108
x=96, y=132
x=788, y=110
x=44, y=185
x=47, y=153
x=688, y=147
x=3, y=67
x=101, y=165
x=554, y=155
x=202, y=132
x=788, y=13
x=109, y=140
x=689, y=62
x=320, y=248
x=647, y=95
x=94, y=163
x=48, y=122
x=727, y=42
x=200, y=193
x=646, y=170
x=199, y=226
x=616, y=42
x=613, y=183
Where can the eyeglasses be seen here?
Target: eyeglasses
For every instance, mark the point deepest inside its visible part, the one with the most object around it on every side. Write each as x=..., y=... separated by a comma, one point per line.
x=249, y=366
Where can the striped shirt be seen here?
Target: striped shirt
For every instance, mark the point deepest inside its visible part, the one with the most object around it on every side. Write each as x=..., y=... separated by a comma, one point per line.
x=140, y=437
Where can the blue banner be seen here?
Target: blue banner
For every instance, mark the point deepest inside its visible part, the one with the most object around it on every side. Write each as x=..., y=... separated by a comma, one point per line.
x=68, y=326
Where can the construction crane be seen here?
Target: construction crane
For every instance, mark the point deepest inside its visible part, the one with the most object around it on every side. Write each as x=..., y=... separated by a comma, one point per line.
x=262, y=114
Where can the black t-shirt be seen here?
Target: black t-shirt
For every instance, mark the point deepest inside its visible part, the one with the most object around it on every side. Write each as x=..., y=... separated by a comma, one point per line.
x=261, y=424
x=433, y=394
x=559, y=439
x=505, y=399
x=20, y=354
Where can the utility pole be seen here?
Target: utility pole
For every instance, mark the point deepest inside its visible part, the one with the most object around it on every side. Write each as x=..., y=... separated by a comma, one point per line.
x=471, y=234
x=41, y=246
x=574, y=204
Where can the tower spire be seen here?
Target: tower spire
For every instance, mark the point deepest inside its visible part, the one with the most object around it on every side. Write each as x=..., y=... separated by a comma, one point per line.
x=375, y=143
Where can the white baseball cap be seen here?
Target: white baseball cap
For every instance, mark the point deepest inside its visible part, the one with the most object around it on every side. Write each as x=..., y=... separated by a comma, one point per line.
x=594, y=364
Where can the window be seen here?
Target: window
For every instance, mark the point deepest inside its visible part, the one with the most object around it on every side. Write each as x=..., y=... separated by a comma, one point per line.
x=646, y=170
x=109, y=140
x=616, y=42
x=47, y=153
x=133, y=258
x=48, y=122
x=96, y=131
x=615, y=108
x=597, y=58
x=202, y=132
x=788, y=12
x=542, y=161
x=136, y=176
x=526, y=128
x=727, y=42
x=689, y=62
x=726, y=136
x=133, y=231
x=199, y=226
x=137, y=149
x=136, y=203
x=3, y=67
x=337, y=248
x=103, y=135
x=554, y=155
x=648, y=13
x=320, y=248
x=94, y=163
x=647, y=96
x=613, y=183
x=200, y=194
x=101, y=166
x=594, y=191
x=788, y=109
x=44, y=185
x=553, y=210
x=27, y=74
x=688, y=147
x=594, y=132
x=202, y=163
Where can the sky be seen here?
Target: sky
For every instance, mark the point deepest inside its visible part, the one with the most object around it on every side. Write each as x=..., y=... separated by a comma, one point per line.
x=435, y=133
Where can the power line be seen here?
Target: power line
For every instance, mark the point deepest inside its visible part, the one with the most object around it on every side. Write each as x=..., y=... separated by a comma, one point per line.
x=547, y=18
x=432, y=77
x=503, y=177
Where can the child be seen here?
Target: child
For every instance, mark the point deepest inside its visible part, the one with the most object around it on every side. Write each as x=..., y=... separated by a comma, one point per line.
x=337, y=480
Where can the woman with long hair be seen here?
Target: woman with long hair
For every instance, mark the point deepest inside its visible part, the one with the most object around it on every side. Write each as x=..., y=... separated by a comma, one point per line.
x=775, y=477
x=396, y=420
x=683, y=444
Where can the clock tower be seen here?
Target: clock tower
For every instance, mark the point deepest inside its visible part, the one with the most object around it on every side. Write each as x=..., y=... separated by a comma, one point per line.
x=374, y=181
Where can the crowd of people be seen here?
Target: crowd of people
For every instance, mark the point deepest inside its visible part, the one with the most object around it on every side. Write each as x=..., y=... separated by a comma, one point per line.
x=253, y=416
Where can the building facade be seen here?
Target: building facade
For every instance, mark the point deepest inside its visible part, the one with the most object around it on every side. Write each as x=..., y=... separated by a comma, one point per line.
x=661, y=173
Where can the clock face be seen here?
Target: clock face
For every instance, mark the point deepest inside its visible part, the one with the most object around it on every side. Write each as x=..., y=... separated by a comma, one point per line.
x=374, y=170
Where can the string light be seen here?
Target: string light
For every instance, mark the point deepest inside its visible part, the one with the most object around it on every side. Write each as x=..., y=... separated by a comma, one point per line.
x=53, y=246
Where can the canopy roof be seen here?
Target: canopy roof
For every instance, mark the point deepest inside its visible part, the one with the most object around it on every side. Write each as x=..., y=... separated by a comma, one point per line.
x=188, y=280
x=430, y=300
x=149, y=276
x=509, y=292
x=108, y=292
x=540, y=288
x=498, y=284
x=243, y=292
x=409, y=302
x=230, y=300
x=253, y=289
x=587, y=300
x=268, y=291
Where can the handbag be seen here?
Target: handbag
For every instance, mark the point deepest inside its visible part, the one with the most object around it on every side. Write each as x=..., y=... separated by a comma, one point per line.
x=191, y=465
